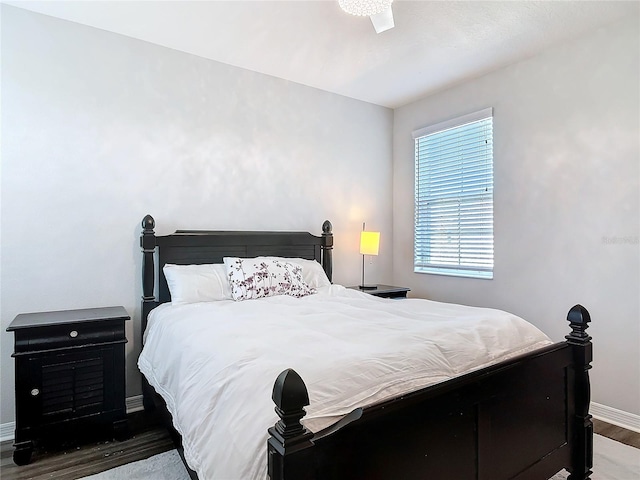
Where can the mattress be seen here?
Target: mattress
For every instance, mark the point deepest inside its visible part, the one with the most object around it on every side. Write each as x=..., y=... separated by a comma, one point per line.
x=215, y=363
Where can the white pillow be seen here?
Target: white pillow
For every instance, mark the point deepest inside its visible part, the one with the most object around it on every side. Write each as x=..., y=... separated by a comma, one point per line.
x=312, y=272
x=197, y=283
x=264, y=277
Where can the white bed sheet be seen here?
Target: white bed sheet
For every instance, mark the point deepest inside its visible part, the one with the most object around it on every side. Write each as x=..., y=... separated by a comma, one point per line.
x=215, y=363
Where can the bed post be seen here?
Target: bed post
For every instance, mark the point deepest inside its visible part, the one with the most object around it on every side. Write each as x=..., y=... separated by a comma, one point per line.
x=582, y=438
x=148, y=245
x=289, y=447
x=327, y=249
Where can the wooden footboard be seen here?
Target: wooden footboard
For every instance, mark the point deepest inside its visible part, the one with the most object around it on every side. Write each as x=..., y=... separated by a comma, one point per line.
x=526, y=418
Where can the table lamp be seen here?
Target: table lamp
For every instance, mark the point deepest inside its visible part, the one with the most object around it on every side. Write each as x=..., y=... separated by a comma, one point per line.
x=369, y=245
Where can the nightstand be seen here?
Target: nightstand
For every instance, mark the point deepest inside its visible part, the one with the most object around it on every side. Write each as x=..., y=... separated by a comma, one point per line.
x=385, y=291
x=70, y=375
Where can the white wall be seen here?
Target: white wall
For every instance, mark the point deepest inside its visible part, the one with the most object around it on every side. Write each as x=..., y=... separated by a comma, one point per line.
x=100, y=129
x=566, y=203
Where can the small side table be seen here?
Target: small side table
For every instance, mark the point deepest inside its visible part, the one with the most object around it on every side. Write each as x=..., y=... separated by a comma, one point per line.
x=385, y=291
x=70, y=374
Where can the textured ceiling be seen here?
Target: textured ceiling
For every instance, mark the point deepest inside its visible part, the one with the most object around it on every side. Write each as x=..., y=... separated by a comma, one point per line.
x=434, y=43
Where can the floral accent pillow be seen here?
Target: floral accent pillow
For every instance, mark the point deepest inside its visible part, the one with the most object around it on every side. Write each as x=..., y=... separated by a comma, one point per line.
x=264, y=277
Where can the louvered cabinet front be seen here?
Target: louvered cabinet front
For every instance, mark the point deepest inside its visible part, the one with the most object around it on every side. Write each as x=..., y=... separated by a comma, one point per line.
x=70, y=375
x=68, y=384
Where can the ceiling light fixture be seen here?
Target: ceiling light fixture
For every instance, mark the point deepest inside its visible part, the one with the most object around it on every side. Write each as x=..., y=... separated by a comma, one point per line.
x=379, y=11
x=364, y=8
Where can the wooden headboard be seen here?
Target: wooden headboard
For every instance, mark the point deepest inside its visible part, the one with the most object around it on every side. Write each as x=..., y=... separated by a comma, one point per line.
x=187, y=247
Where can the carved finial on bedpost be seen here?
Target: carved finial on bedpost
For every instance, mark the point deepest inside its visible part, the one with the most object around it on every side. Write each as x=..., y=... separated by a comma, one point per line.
x=579, y=319
x=582, y=438
x=290, y=396
x=148, y=223
x=327, y=249
x=289, y=445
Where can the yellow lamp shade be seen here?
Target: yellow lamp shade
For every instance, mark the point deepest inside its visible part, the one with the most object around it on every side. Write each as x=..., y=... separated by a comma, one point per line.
x=369, y=243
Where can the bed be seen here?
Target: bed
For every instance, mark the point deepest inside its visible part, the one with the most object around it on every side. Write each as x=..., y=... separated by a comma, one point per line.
x=425, y=403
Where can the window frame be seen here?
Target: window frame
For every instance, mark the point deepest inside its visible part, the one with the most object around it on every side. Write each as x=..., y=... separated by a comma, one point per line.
x=481, y=263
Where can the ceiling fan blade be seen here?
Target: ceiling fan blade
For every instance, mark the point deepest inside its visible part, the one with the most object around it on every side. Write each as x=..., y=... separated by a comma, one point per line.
x=383, y=21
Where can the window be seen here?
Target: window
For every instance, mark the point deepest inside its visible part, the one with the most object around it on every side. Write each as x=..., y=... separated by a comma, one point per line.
x=454, y=197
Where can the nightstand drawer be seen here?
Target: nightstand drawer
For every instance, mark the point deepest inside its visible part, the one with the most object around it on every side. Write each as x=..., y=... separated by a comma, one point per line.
x=67, y=336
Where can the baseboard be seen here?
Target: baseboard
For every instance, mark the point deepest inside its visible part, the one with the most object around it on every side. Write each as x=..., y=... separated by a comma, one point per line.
x=7, y=430
x=134, y=404
x=611, y=415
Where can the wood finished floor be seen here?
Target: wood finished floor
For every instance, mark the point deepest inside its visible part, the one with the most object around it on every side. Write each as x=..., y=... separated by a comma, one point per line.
x=614, y=432
x=148, y=438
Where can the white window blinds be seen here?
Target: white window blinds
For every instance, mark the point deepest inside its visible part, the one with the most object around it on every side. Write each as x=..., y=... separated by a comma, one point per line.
x=454, y=197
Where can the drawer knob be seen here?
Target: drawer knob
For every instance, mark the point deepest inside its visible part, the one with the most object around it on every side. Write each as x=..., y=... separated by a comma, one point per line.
x=73, y=333
x=35, y=392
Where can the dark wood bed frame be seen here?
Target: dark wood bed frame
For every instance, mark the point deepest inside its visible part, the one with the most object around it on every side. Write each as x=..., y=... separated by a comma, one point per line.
x=526, y=418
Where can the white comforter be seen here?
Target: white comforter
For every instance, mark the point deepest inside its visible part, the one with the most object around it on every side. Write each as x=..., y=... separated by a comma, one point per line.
x=215, y=363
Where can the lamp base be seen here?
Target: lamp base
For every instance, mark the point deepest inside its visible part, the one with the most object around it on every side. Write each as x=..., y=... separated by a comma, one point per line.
x=367, y=287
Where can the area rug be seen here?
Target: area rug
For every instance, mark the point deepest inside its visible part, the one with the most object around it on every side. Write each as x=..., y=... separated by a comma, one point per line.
x=611, y=461
x=164, y=466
